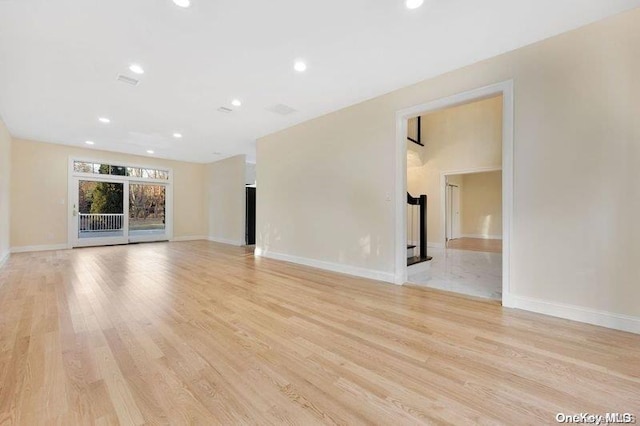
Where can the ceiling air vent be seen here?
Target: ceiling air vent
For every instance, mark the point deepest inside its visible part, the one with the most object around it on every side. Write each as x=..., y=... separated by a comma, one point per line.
x=281, y=109
x=128, y=80
x=225, y=110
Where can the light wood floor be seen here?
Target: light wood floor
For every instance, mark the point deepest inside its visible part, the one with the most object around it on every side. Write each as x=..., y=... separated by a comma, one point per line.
x=476, y=244
x=203, y=333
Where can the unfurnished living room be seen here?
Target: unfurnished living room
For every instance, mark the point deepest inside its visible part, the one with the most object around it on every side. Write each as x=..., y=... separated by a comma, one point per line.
x=340, y=212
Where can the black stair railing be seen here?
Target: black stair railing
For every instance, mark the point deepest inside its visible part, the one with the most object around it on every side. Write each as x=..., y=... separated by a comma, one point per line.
x=421, y=201
x=418, y=139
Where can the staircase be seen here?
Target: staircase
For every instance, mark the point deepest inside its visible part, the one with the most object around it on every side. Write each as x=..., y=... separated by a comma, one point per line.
x=413, y=257
x=419, y=203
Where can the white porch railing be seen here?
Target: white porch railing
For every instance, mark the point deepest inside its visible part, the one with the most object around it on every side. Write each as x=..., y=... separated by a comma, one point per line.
x=100, y=222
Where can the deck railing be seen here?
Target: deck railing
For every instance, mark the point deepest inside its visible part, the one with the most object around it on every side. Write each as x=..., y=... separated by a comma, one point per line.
x=100, y=222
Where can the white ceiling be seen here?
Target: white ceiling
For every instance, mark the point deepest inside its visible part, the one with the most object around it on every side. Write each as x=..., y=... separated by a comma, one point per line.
x=59, y=60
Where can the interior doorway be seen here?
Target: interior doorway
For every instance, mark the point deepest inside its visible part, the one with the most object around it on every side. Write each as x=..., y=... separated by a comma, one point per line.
x=412, y=161
x=473, y=210
x=471, y=260
x=250, y=204
x=452, y=216
x=466, y=204
x=250, y=216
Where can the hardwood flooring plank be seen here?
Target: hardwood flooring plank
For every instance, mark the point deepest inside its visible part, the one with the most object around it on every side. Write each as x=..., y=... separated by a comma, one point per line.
x=204, y=333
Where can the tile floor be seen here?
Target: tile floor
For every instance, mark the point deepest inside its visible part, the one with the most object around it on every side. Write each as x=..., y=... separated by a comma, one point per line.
x=472, y=273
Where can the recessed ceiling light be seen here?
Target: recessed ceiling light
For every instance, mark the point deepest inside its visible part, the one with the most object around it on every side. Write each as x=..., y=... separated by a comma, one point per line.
x=300, y=66
x=177, y=135
x=150, y=151
x=236, y=102
x=413, y=4
x=104, y=120
x=182, y=3
x=136, y=69
x=89, y=142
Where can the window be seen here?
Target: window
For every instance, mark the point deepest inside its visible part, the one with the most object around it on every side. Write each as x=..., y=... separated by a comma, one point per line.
x=114, y=170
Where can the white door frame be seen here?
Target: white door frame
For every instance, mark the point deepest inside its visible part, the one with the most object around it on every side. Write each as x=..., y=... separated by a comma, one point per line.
x=447, y=213
x=449, y=223
x=505, y=89
x=74, y=239
x=72, y=191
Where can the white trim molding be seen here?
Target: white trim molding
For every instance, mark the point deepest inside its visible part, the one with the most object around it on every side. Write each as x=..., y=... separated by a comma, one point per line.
x=576, y=313
x=483, y=236
x=387, y=277
x=505, y=89
x=236, y=243
x=4, y=258
x=27, y=249
x=190, y=238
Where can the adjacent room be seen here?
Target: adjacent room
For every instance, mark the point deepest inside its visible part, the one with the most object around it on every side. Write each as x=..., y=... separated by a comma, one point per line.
x=392, y=212
x=454, y=158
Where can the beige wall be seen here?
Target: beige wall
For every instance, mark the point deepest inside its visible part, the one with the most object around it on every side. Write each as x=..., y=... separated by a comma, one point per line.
x=226, y=200
x=481, y=205
x=5, y=182
x=324, y=184
x=460, y=138
x=455, y=180
x=324, y=189
x=39, y=189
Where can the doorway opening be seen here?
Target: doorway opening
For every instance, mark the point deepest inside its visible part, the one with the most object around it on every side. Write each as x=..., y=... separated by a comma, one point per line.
x=471, y=260
x=473, y=211
x=453, y=218
x=465, y=138
x=250, y=204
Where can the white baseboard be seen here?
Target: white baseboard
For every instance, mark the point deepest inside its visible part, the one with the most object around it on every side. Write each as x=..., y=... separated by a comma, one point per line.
x=483, y=236
x=388, y=277
x=190, y=238
x=4, y=258
x=575, y=313
x=26, y=249
x=226, y=241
